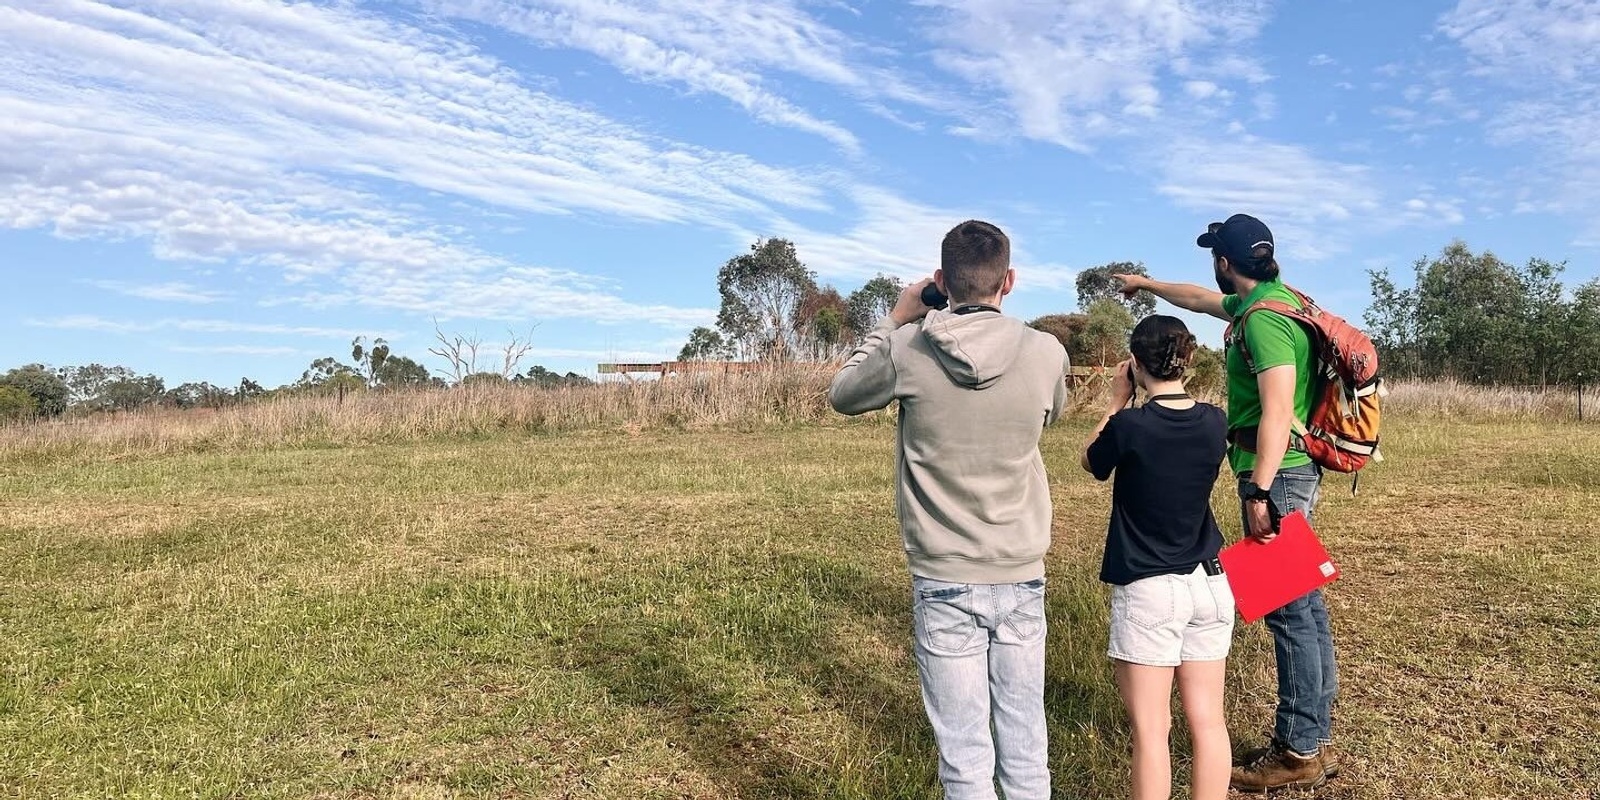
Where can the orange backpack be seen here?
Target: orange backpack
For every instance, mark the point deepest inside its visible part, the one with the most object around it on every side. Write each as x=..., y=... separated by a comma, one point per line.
x=1342, y=431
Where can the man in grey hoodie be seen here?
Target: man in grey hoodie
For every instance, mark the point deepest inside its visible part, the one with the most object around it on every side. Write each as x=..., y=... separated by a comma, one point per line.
x=976, y=388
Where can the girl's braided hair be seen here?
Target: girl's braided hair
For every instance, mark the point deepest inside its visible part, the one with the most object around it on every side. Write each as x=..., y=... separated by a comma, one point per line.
x=1163, y=345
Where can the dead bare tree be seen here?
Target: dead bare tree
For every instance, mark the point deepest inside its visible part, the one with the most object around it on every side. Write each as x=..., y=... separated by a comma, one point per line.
x=515, y=349
x=460, y=351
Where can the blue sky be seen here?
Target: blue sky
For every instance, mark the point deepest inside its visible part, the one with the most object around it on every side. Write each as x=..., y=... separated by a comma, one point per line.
x=211, y=189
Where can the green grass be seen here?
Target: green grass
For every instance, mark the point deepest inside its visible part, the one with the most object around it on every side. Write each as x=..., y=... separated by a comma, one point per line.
x=717, y=614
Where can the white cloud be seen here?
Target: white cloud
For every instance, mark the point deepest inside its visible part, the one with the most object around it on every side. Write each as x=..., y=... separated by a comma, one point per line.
x=1201, y=90
x=1321, y=60
x=1428, y=210
x=89, y=322
x=241, y=350
x=713, y=46
x=740, y=50
x=1294, y=192
x=1558, y=38
x=511, y=294
x=172, y=291
x=1074, y=72
x=305, y=144
x=1266, y=105
x=1546, y=58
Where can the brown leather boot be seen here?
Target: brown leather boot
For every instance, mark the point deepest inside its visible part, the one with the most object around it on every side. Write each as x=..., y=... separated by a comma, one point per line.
x=1279, y=768
x=1330, y=760
x=1250, y=756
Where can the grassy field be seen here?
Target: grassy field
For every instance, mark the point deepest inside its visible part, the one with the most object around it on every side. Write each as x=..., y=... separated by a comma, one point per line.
x=720, y=613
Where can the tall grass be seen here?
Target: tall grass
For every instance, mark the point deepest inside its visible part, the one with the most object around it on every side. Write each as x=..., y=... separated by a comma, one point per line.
x=793, y=395
x=787, y=396
x=1453, y=399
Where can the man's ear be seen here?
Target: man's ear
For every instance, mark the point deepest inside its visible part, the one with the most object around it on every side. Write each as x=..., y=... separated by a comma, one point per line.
x=938, y=280
x=1010, y=282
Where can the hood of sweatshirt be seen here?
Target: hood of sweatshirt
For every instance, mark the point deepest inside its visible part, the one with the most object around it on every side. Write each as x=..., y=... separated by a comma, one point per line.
x=974, y=349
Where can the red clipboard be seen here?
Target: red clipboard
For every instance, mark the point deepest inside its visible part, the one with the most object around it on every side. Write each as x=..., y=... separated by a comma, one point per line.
x=1267, y=577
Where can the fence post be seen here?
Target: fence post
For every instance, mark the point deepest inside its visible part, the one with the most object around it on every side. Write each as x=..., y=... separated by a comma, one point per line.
x=1580, y=397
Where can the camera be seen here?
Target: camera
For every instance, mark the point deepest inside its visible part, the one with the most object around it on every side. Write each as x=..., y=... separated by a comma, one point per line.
x=933, y=298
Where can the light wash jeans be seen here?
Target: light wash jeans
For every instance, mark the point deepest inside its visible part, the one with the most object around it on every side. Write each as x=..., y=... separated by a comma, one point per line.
x=980, y=653
x=1302, y=640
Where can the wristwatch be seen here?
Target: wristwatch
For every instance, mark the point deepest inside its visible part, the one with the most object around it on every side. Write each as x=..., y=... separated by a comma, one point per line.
x=1258, y=494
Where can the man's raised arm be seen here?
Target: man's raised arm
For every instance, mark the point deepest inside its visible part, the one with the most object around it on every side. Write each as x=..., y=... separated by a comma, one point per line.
x=1183, y=295
x=867, y=380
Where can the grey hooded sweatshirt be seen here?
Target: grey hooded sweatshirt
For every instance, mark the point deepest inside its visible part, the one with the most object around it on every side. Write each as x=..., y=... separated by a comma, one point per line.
x=976, y=391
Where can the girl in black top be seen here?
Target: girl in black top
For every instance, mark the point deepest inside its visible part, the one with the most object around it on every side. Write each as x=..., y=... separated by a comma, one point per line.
x=1171, y=608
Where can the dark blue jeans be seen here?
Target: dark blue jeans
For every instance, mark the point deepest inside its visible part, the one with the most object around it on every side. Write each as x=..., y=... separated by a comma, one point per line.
x=1308, y=679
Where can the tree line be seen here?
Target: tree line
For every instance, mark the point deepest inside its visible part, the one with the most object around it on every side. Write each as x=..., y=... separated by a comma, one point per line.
x=1467, y=316
x=36, y=391
x=1475, y=318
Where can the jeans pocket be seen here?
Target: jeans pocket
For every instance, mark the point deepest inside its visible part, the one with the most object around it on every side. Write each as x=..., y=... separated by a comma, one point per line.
x=1297, y=491
x=1222, y=594
x=943, y=624
x=1149, y=603
x=1026, y=620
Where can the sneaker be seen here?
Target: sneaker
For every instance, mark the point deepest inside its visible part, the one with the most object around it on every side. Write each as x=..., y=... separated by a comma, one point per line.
x=1330, y=760
x=1278, y=768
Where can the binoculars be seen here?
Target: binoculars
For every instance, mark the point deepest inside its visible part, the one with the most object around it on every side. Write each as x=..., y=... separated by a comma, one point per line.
x=933, y=298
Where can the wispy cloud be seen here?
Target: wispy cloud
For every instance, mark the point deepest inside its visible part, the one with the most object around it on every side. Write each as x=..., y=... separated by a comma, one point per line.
x=313, y=128
x=1508, y=37
x=517, y=294
x=1074, y=72
x=240, y=350
x=1546, y=56
x=723, y=47
x=1295, y=192
x=89, y=322
x=172, y=291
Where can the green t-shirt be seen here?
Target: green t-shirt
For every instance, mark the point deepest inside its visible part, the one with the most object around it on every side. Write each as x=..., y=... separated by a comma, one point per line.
x=1274, y=340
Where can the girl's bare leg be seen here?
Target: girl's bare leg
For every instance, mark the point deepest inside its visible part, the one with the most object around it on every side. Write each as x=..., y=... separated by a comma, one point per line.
x=1200, y=684
x=1147, y=693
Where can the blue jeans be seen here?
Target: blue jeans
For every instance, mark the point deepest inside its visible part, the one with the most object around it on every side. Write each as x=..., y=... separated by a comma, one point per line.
x=1308, y=679
x=980, y=654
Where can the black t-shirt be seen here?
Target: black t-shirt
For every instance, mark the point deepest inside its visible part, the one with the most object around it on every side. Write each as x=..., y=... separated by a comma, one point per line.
x=1166, y=461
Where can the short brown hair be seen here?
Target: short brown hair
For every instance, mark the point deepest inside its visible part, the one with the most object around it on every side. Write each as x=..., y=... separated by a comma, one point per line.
x=974, y=257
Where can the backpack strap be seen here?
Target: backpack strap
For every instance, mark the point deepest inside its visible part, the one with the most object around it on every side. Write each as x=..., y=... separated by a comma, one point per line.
x=1245, y=437
x=1235, y=331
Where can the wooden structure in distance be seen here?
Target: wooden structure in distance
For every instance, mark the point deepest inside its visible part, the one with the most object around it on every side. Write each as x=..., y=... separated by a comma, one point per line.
x=1077, y=377
x=667, y=369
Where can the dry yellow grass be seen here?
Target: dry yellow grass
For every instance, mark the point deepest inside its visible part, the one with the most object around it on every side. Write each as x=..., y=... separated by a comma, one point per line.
x=790, y=395
x=695, y=591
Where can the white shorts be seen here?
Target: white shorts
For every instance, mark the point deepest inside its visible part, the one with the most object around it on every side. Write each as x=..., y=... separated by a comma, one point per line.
x=1168, y=619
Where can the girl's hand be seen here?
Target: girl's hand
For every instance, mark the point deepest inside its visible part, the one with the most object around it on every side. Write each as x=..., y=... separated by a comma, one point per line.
x=1122, y=386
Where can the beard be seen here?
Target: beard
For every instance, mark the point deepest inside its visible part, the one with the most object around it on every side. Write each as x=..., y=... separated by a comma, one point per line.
x=1224, y=282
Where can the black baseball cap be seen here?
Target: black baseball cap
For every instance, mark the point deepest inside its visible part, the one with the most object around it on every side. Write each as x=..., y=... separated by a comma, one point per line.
x=1237, y=240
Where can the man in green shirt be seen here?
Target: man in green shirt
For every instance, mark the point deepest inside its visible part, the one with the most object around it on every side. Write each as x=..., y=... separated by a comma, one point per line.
x=1266, y=394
